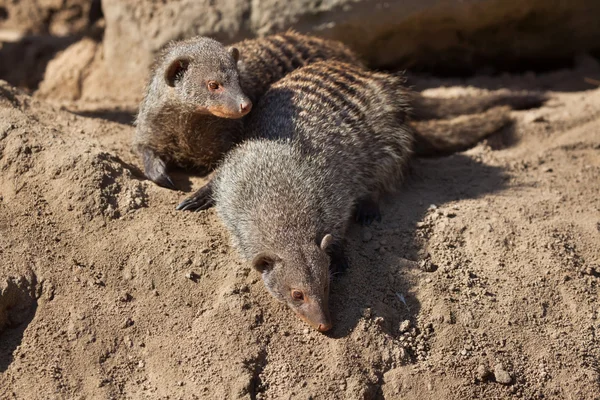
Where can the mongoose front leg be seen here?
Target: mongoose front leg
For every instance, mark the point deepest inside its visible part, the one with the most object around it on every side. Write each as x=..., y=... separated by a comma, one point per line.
x=155, y=169
x=201, y=200
x=367, y=211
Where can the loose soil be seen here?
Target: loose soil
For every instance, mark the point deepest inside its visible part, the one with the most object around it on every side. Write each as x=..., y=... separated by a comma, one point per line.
x=482, y=280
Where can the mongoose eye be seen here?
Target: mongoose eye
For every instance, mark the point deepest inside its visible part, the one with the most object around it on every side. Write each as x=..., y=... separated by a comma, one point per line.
x=297, y=295
x=212, y=86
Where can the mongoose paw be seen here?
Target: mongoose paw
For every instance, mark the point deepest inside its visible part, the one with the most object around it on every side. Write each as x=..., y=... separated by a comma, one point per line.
x=201, y=200
x=366, y=212
x=155, y=169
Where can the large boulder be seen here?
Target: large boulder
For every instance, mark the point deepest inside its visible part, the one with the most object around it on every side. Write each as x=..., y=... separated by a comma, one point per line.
x=445, y=36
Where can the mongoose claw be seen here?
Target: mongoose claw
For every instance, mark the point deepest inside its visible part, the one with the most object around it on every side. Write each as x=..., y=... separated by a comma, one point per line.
x=201, y=200
x=366, y=212
x=155, y=169
x=164, y=181
x=339, y=262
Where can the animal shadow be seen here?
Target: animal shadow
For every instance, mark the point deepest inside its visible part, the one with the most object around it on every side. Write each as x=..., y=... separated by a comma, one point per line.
x=387, y=260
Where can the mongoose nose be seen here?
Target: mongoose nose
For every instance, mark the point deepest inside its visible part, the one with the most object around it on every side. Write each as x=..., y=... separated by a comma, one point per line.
x=325, y=327
x=245, y=107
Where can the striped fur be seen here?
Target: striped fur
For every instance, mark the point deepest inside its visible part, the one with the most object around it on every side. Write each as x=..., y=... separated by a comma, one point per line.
x=171, y=130
x=324, y=139
x=266, y=60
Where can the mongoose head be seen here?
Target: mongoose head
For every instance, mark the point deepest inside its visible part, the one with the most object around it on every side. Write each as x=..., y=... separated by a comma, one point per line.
x=300, y=279
x=204, y=76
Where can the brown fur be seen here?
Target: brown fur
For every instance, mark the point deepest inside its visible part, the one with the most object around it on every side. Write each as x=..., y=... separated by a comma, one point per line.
x=181, y=122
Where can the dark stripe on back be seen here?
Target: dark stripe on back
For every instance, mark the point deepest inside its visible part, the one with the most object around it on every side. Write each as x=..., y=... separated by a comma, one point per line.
x=354, y=90
x=306, y=53
x=276, y=58
x=319, y=99
x=323, y=87
x=355, y=78
x=289, y=51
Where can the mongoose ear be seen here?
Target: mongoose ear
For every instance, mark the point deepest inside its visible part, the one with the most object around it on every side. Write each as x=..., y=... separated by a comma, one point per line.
x=264, y=261
x=235, y=53
x=326, y=242
x=176, y=70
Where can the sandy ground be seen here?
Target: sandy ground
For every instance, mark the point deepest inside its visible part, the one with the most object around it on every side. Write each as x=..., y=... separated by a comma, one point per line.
x=482, y=280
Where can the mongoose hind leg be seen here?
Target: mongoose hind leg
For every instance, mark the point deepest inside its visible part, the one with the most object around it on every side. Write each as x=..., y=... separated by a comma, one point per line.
x=155, y=169
x=367, y=211
x=201, y=200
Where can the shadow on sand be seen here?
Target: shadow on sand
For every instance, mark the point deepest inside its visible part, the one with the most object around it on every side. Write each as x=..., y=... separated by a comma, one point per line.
x=384, y=256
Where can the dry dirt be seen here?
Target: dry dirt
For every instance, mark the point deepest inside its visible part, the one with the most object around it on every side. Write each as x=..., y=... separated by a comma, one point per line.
x=482, y=280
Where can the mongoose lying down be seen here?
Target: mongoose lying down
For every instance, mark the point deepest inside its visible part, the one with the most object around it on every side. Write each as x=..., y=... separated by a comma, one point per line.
x=199, y=90
x=326, y=142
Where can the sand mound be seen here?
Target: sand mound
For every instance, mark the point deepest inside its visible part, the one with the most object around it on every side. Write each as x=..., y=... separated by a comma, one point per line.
x=483, y=279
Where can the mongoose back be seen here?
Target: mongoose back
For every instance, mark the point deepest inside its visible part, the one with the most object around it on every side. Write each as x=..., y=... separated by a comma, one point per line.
x=191, y=112
x=328, y=140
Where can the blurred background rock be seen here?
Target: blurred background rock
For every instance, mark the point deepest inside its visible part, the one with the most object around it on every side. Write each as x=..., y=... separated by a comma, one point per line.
x=101, y=51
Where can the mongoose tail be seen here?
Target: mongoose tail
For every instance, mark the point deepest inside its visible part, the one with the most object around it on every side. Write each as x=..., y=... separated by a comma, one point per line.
x=428, y=108
x=443, y=137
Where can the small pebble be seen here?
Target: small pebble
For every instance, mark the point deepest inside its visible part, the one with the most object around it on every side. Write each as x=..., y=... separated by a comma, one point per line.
x=501, y=375
x=404, y=326
x=191, y=275
x=482, y=372
x=367, y=236
x=125, y=297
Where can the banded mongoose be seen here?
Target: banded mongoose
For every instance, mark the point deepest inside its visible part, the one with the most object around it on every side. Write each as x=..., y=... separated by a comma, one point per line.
x=327, y=141
x=199, y=90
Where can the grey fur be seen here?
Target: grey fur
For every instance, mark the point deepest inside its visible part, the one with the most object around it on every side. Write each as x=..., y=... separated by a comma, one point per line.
x=325, y=138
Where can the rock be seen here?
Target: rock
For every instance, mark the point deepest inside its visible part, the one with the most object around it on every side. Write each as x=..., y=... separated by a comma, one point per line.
x=367, y=236
x=404, y=326
x=482, y=372
x=125, y=297
x=65, y=72
x=192, y=276
x=501, y=375
x=396, y=33
x=127, y=323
